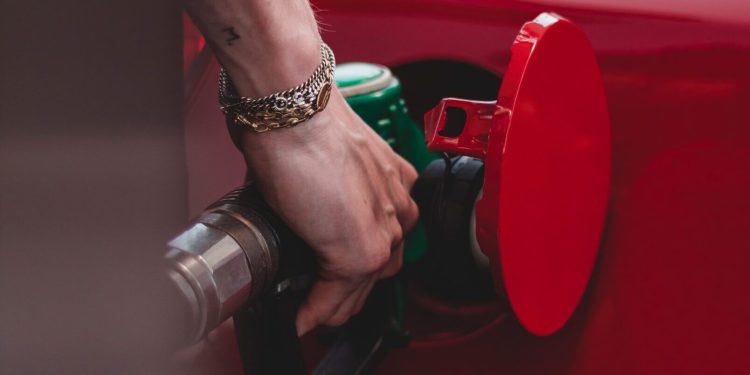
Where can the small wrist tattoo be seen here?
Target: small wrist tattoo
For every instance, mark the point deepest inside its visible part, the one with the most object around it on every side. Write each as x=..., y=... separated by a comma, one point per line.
x=231, y=35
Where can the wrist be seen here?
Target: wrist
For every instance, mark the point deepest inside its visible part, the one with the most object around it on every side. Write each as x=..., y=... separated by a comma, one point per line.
x=279, y=65
x=311, y=133
x=266, y=46
x=326, y=132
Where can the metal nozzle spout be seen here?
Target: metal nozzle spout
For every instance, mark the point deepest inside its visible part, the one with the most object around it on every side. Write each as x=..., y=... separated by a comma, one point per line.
x=221, y=262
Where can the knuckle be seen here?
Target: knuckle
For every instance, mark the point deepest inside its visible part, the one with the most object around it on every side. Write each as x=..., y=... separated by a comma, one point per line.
x=397, y=267
x=337, y=320
x=357, y=309
x=390, y=171
x=393, y=268
x=409, y=174
x=397, y=236
x=390, y=210
x=413, y=213
x=390, y=272
x=409, y=214
x=376, y=258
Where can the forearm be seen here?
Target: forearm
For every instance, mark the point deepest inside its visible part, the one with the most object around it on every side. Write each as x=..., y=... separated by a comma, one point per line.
x=266, y=45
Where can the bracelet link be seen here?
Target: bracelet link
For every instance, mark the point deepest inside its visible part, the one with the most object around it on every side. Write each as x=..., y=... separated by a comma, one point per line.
x=283, y=109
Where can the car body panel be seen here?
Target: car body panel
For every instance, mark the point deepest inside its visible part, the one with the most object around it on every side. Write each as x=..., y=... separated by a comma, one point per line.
x=669, y=289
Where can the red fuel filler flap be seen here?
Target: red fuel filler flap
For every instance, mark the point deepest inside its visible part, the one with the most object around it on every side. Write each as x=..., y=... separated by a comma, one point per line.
x=546, y=149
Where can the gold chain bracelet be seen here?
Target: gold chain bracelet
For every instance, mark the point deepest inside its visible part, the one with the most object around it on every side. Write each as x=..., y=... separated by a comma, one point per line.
x=283, y=109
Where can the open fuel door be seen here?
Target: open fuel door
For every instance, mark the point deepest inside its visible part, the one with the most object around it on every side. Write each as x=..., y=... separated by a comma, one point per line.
x=546, y=149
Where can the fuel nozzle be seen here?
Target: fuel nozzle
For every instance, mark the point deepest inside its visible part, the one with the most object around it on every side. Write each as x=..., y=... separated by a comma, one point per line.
x=238, y=249
x=453, y=267
x=230, y=256
x=238, y=259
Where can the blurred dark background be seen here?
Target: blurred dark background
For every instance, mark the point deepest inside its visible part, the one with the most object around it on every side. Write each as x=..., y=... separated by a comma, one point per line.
x=92, y=182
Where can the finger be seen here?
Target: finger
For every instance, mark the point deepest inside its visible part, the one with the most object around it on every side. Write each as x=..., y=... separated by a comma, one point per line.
x=394, y=263
x=362, y=297
x=395, y=235
x=346, y=309
x=324, y=300
x=408, y=215
x=408, y=174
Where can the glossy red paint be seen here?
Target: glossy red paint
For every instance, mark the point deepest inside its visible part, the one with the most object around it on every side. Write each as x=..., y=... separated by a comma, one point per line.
x=669, y=290
x=546, y=149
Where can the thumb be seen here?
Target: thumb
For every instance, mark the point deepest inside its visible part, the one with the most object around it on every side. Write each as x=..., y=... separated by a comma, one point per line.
x=321, y=304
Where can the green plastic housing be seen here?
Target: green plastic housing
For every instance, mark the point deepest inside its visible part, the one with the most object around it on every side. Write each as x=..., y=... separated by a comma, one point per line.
x=376, y=97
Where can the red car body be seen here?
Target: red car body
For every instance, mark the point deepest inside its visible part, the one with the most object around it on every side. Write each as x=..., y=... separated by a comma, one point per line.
x=669, y=292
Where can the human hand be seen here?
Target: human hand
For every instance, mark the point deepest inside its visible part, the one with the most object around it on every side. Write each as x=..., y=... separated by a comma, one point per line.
x=343, y=190
x=335, y=182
